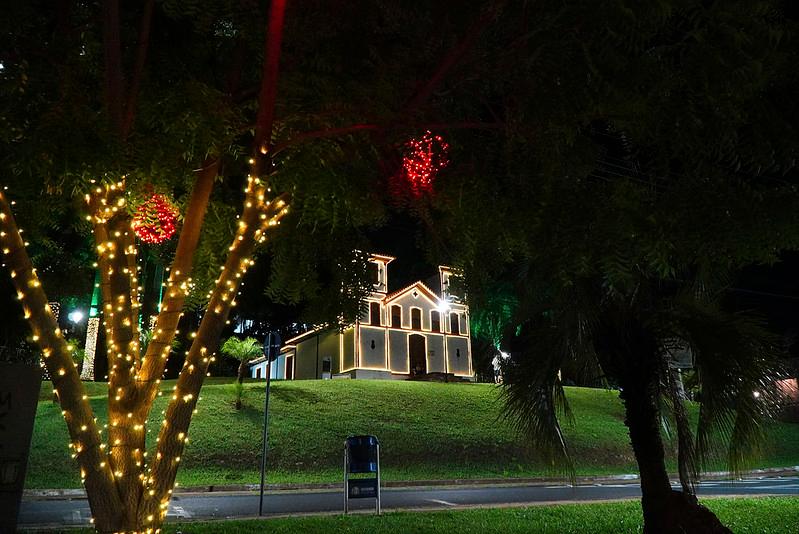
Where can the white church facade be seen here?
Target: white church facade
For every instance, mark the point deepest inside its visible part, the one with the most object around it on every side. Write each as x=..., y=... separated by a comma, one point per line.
x=417, y=332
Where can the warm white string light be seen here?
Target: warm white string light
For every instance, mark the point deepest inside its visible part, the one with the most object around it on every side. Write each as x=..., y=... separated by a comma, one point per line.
x=125, y=456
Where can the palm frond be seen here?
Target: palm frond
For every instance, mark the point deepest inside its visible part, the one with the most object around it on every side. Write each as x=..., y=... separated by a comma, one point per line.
x=737, y=361
x=533, y=394
x=531, y=407
x=242, y=349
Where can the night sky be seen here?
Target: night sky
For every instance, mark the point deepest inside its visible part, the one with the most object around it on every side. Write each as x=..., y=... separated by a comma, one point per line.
x=771, y=291
x=402, y=237
x=774, y=292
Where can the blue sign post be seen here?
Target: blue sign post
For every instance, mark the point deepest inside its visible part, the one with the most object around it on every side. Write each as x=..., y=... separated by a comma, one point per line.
x=361, y=455
x=271, y=351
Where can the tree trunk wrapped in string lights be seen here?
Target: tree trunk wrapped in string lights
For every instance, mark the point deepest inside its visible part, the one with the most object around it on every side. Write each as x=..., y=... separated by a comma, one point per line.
x=128, y=491
x=85, y=437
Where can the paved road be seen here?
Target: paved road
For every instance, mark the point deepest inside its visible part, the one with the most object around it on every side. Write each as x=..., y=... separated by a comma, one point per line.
x=226, y=505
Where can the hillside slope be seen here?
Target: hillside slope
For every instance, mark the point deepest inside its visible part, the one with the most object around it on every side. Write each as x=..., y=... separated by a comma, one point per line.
x=426, y=431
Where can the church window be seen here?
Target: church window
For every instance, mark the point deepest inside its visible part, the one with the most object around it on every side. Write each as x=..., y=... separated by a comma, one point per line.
x=374, y=313
x=416, y=319
x=454, y=323
x=435, y=321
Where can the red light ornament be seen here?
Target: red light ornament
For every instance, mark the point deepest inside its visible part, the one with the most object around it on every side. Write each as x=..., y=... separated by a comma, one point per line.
x=155, y=220
x=423, y=159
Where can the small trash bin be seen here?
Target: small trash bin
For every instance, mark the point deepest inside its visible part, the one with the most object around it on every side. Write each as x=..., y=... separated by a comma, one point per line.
x=362, y=456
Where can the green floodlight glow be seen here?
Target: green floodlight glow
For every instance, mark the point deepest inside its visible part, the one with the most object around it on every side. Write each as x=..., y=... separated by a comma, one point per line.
x=95, y=296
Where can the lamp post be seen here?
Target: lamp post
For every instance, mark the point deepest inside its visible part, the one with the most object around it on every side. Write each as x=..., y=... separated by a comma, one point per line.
x=75, y=316
x=271, y=351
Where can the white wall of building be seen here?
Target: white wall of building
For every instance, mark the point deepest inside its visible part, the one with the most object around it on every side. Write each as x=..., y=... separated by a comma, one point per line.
x=458, y=355
x=278, y=370
x=372, y=341
x=409, y=301
x=435, y=353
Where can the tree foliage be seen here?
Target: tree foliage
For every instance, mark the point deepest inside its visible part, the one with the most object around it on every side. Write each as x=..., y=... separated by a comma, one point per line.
x=614, y=166
x=243, y=350
x=649, y=156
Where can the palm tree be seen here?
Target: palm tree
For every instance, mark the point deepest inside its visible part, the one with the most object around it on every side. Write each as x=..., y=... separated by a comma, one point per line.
x=243, y=350
x=631, y=335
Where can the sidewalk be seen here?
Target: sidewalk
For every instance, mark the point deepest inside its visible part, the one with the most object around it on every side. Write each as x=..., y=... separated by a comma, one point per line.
x=62, y=494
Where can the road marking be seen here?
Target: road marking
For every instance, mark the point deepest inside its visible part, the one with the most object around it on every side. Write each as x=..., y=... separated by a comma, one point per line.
x=178, y=511
x=442, y=502
x=780, y=486
x=73, y=518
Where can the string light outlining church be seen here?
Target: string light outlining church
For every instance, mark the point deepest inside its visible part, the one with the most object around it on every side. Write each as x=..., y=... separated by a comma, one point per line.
x=418, y=332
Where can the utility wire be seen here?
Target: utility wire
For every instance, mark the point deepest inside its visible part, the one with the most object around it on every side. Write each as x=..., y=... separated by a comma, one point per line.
x=763, y=293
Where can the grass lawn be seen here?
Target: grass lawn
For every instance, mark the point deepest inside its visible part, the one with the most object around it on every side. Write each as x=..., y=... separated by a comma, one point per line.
x=763, y=516
x=426, y=431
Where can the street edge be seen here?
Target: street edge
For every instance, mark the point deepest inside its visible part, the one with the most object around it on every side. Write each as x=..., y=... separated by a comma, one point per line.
x=59, y=494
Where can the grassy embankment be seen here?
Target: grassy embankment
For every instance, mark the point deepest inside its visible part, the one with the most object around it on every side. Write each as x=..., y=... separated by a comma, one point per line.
x=427, y=431
x=775, y=515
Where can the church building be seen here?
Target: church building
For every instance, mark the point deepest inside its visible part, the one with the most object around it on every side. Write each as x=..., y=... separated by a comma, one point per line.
x=418, y=332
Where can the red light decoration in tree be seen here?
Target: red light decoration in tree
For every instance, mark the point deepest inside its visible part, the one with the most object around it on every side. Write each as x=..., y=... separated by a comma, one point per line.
x=423, y=158
x=155, y=219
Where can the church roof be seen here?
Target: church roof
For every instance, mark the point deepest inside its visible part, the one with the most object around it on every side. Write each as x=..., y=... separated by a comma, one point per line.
x=417, y=285
x=300, y=337
x=385, y=257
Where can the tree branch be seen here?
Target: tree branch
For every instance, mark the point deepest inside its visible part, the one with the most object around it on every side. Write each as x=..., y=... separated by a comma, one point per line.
x=116, y=252
x=85, y=440
x=450, y=60
x=354, y=128
x=138, y=70
x=268, y=94
x=113, y=63
x=233, y=81
x=154, y=361
x=420, y=97
x=119, y=282
x=257, y=216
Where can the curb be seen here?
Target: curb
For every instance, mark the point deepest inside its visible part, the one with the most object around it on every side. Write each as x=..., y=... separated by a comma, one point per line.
x=68, y=494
